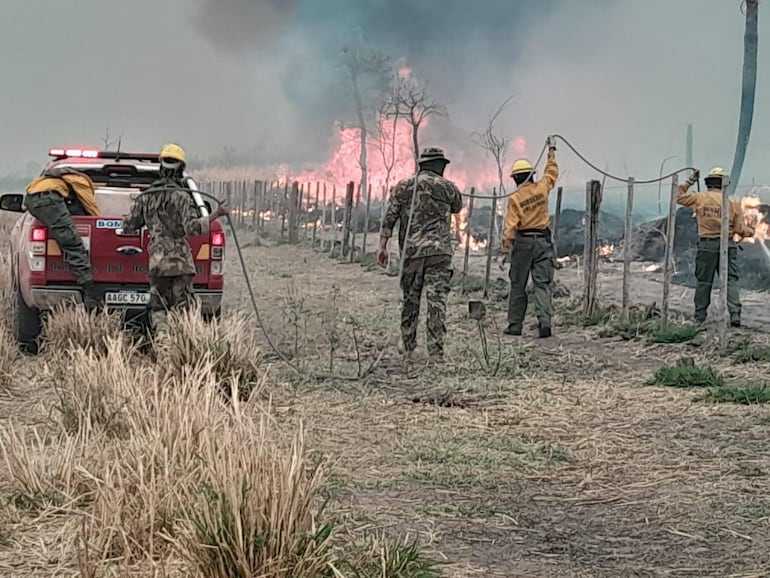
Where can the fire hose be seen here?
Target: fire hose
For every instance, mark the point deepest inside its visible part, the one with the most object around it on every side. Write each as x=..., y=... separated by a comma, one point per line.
x=286, y=361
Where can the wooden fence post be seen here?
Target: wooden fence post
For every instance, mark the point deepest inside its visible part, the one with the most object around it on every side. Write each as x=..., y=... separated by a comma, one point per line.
x=590, y=256
x=347, y=218
x=315, y=210
x=724, y=244
x=468, y=233
x=668, y=269
x=366, y=217
x=490, y=242
x=557, y=222
x=334, y=220
x=354, y=223
x=293, y=218
x=284, y=207
x=627, y=250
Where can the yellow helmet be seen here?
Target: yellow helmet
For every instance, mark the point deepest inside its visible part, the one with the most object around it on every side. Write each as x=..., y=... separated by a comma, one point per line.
x=173, y=152
x=521, y=166
x=717, y=172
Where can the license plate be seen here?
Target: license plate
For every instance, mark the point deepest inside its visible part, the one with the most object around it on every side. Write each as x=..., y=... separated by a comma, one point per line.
x=127, y=298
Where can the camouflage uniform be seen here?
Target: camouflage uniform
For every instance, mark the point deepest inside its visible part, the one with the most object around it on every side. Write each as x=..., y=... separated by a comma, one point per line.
x=428, y=255
x=170, y=215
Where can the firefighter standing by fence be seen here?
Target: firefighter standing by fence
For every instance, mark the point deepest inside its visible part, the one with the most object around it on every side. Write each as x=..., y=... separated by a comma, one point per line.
x=427, y=249
x=171, y=215
x=53, y=198
x=708, y=212
x=527, y=242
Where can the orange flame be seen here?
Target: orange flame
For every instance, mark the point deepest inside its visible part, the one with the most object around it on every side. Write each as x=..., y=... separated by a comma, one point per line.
x=755, y=218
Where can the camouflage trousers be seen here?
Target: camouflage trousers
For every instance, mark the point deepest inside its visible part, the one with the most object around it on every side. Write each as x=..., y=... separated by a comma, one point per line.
x=50, y=208
x=168, y=294
x=530, y=256
x=433, y=274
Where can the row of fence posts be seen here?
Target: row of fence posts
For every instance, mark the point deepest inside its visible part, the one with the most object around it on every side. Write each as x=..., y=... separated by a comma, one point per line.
x=591, y=251
x=297, y=206
x=302, y=208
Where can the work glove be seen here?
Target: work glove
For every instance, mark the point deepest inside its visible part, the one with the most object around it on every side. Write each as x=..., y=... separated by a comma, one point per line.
x=382, y=257
x=551, y=142
x=503, y=259
x=694, y=176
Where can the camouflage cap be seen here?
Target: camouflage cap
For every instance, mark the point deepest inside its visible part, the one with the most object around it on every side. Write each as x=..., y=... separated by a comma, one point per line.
x=432, y=154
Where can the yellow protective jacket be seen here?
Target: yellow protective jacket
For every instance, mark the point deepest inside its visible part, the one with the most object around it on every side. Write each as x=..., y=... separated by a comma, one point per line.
x=528, y=206
x=78, y=182
x=708, y=212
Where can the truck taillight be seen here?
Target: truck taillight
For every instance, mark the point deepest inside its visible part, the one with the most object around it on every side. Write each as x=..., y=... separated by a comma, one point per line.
x=217, y=248
x=39, y=241
x=39, y=234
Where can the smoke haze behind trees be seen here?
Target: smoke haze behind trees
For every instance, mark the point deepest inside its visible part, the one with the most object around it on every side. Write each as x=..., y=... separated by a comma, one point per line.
x=619, y=78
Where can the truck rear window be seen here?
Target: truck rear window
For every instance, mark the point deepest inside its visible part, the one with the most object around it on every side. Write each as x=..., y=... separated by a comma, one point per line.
x=115, y=203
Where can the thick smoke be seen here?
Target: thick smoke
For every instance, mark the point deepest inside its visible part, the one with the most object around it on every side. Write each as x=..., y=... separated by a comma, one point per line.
x=620, y=79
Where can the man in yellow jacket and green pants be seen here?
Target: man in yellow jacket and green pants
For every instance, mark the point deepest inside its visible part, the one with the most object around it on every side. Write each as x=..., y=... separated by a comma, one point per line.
x=527, y=238
x=52, y=199
x=708, y=212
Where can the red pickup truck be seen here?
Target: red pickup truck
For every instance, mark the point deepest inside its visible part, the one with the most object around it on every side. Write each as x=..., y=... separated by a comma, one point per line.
x=42, y=280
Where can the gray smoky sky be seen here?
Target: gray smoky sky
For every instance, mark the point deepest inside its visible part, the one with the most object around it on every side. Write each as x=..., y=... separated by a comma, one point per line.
x=620, y=78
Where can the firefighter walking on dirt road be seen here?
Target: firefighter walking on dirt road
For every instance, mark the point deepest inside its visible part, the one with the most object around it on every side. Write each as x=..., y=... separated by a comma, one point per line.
x=527, y=242
x=170, y=215
x=708, y=212
x=427, y=250
x=52, y=199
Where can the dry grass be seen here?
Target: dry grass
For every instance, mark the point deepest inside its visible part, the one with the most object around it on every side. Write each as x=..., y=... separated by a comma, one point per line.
x=151, y=467
x=71, y=327
x=9, y=359
x=561, y=464
x=228, y=345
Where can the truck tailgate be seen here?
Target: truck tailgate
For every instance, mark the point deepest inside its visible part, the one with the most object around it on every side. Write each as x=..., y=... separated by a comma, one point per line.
x=117, y=259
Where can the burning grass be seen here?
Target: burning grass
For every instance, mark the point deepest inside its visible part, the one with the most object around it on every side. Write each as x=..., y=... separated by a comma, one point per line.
x=687, y=377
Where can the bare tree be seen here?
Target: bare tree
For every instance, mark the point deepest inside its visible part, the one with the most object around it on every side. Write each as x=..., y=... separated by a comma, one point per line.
x=360, y=62
x=385, y=140
x=108, y=142
x=412, y=101
x=495, y=146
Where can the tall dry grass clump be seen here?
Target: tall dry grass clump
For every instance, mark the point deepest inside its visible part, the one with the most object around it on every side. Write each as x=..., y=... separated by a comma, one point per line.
x=253, y=511
x=9, y=361
x=6, y=291
x=227, y=344
x=95, y=386
x=69, y=327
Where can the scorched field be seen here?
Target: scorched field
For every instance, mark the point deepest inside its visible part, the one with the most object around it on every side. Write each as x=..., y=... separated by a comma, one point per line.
x=612, y=449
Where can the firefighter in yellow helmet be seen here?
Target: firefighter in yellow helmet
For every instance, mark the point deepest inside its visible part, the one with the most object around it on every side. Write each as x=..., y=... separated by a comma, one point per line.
x=708, y=212
x=527, y=242
x=170, y=215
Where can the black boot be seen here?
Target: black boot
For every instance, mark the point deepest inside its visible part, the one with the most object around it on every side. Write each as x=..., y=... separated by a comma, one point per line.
x=545, y=331
x=512, y=330
x=91, y=299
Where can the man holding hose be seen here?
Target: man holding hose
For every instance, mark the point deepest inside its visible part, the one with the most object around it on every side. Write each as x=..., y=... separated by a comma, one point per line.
x=708, y=212
x=527, y=240
x=423, y=204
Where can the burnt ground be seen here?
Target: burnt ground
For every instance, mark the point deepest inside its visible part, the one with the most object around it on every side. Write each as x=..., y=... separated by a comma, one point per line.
x=562, y=462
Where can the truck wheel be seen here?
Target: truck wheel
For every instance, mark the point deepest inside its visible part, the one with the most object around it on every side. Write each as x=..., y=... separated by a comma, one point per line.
x=27, y=324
